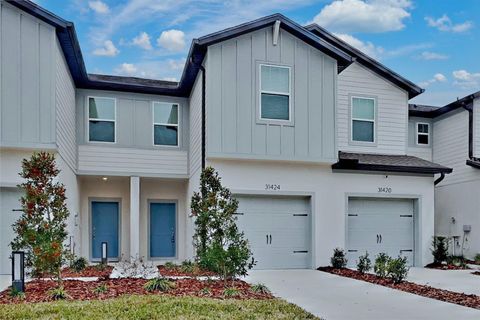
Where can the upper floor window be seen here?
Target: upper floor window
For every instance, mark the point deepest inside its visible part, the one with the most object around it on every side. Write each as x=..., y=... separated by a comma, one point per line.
x=101, y=119
x=165, y=124
x=275, y=93
x=363, y=119
x=423, y=133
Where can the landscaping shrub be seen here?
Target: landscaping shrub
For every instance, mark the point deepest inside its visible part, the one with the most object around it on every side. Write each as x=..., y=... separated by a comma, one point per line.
x=364, y=263
x=381, y=265
x=41, y=229
x=219, y=245
x=205, y=291
x=15, y=293
x=170, y=265
x=397, y=269
x=159, y=284
x=188, y=267
x=457, y=261
x=79, y=264
x=477, y=258
x=231, y=292
x=260, y=288
x=440, y=249
x=338, y=260
x=134, y=268
x=101, y=289
x=58, y=294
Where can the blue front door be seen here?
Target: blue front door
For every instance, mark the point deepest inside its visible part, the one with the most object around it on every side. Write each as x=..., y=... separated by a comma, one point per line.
x=162, y=230
x=105, y=225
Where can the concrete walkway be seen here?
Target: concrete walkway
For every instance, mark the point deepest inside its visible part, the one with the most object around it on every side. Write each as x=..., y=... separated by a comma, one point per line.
x=333, y=297
x=454, y=280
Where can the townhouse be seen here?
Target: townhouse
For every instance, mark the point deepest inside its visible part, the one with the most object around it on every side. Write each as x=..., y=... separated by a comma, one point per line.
x=311, y=135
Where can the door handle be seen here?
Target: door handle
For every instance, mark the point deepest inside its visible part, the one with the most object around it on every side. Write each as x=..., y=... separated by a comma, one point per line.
x=267, y=237
x=378, y=238
x=173, y=237
x=270, y=239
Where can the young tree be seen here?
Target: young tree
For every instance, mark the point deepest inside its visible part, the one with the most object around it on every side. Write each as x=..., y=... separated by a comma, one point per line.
x=220, y=246
x=41, y=229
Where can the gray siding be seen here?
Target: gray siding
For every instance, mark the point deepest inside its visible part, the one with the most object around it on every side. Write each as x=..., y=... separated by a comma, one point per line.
x=476, y=128
x=195, y=105
x=391, y=113
x=65, y=106
x=450, y=147
x=27, y=77
x=421, y=151
x=232, y=98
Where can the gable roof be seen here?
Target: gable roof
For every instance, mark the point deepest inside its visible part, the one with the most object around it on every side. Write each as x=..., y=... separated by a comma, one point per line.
x=412, y=89
x=433, y=112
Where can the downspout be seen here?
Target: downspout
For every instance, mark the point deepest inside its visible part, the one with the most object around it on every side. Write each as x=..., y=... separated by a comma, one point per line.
x=203, y=117
x=437, y=181
x=469, y=108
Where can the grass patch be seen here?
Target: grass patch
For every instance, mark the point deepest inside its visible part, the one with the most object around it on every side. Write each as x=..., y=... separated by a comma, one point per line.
x=157, y=307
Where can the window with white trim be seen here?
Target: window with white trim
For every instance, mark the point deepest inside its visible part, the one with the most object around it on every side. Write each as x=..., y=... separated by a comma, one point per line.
x=101, y=119
x=363, y=119
x=275, y=93
x=423, y=133
x=165, y=124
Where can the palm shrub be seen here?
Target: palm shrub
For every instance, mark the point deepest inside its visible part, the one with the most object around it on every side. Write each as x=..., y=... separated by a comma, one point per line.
x=338, y=260
x=397, y=269
x=41, y=229
x=260, y=288
x=159, y=284
x=79, y=264
x=364, y=263
x=220, y=246
x=440, y=249
x=381, y=265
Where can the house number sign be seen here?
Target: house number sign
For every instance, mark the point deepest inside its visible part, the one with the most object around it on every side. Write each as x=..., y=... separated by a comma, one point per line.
x=272, y=187
x=384, y=190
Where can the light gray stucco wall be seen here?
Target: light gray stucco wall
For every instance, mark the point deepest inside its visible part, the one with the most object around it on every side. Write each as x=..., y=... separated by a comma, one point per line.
x=232, y=96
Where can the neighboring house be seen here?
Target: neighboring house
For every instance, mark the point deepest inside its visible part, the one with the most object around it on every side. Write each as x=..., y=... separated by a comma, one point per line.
x=453, y=136
x=309, y=134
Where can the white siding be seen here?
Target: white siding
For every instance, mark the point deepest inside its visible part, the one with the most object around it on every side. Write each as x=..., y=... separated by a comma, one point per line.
x=392, y=111
x=450, y=147
x=196, y=126
x=413, y=149
x=65, y=107
x=476, y=128
x=106, y=160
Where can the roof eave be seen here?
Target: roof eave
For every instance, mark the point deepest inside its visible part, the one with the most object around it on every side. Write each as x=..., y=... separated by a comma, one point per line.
x=386, y=168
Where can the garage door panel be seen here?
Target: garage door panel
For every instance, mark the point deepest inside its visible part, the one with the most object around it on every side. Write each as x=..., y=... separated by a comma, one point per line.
x=267, y=220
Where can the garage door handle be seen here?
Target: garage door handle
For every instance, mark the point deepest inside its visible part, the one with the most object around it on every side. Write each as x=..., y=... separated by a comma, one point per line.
x=300, y=251
x=300, y=215
x=352, y=250
x=406, y=216
x=238, y=213
x=267, y=237
x=270, y=239
x=380, y=238
x=409, y=250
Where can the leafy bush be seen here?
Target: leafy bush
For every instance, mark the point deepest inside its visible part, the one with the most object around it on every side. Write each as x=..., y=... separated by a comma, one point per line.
x=205, y=291
x=477, y=258
x=15, y=293
x=338, y=260
x=188, y=266
x=260, y=288
x=159, y=284
x=397, y=269
x=100, y=289
x=170, y=265
x=364, y=263
x=457, y=261
x=231, y=292
x=58, y=293
x=381, y=265
x=79, y=264
x=41, y=229
x=219, y=245
x=440, y=249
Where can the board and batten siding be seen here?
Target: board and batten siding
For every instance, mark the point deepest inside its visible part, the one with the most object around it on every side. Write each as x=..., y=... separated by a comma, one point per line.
x=391, y=111
x=65, y=109
x=133, y=153
x=476, y=128
x=450, y=147
x=232, y=100
x=27, y=80
x=195, y=105
x=414, y=149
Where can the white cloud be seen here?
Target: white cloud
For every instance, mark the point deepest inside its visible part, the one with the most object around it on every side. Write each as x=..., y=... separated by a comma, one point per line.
x=170, y=79
x=126, y=69
x=99, y=6
x=108, y=50
x=466, y=80
x=143, y=41
x=177, y=64
x=445, y=24
x=427, y=55
x=172, y=40
x=364, y=15
x=366, y=47
x=438, y=77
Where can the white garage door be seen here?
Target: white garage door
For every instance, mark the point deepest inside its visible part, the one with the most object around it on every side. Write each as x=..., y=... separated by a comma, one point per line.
x=278, y=229
x=9, y=199
x=380, y=225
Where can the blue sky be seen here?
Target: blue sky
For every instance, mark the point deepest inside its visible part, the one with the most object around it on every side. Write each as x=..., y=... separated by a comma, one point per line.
x=434, y=43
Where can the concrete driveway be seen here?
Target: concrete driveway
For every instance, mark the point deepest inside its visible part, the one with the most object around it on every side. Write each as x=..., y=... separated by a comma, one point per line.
x=454, y=280
x=333, y=297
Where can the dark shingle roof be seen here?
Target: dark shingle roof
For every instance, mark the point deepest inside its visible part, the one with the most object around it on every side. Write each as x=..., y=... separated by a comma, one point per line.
x=416, y=110
x=387, y=163
x=474, y=163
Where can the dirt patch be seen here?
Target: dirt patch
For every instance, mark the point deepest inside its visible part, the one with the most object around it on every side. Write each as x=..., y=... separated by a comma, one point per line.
x=38, y=290
x=178, y=272
x=467, y=300
x=440, y=266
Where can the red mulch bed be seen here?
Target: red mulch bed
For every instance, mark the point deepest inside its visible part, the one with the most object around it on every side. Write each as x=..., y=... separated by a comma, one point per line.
x=177, y=272
x=89, y=271
x=440, y=266
x=37, y=290
x=467, y=300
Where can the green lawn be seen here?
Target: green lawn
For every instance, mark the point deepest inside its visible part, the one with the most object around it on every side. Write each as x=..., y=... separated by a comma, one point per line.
x=156, y=307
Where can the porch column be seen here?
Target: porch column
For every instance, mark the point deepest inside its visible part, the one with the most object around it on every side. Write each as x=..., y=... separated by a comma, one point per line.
x=135, y=217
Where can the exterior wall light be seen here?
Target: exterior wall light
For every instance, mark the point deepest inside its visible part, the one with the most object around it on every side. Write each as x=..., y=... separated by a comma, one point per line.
x=18, y=271
x=104, y=253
